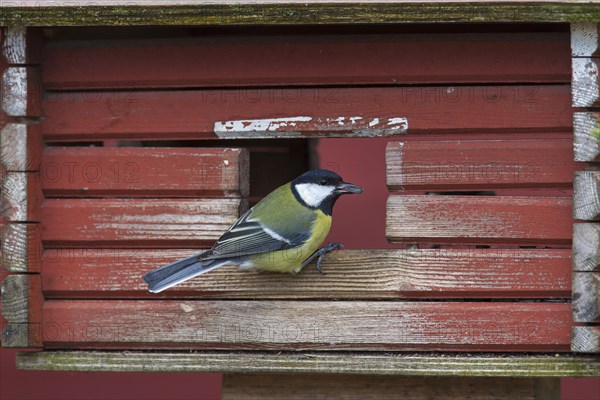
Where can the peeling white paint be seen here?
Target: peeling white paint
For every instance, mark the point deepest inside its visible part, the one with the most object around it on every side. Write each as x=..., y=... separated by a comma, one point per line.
x=374, y=122
x=226, y=162
x=584, y=39
x=186, y=307
x=14, y=45
x=14, y=91
x=258, y=125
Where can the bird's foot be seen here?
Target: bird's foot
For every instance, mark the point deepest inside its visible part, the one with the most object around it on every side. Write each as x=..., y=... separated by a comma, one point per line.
x=320, y=254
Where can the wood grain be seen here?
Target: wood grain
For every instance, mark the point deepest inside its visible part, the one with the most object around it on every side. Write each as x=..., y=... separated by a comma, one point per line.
x=22, y=247
x=479, y=164
x=586, y=132
x=586, y=247
x=22, y=45
x=333, y=59
x=137, y=222
x=407, y=364
x=230, y=12
x=349, y=274
x=145, y=172
x=192, y=114
x=586, y=297
x=479, y=219
x=21, y=197
x=375, y=387
x=584, y=84
x=585, y=339
x=586, y=195
x=298, y=325
x=21, y=307
x=21, y=147
x=21, y=91
x=584, y=39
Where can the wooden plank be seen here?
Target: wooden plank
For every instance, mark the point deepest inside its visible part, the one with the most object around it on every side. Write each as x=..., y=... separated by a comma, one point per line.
x=584, y=39
x=352, y=387
x=154, y=172
x=22, y=247
x=479, y=219
x=585, y=339
x=332, y=59
x=584, y=84
x=419, y=364
x=586, y=195
x=21, y=92
x=230, y=12
x=137, y=222
x=586, y=296
x=21, y=307
x=21, y=196
x=301, y=325
x=586, y=132
x=22, y=45
x=479, y=164
x=586, y=247
x=194, y=114
x=349, y=274
x=21, y=147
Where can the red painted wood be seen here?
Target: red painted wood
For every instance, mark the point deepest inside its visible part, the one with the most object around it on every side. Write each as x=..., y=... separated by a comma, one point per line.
x=478, y=164
x=146, y=172
x=308, y=60
x=192, y=114
x=323, y=325
x=480, y=219
x=137, y=222
x=429, y=273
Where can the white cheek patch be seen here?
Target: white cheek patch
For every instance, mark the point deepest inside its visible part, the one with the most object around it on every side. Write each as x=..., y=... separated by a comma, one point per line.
x=314, y=194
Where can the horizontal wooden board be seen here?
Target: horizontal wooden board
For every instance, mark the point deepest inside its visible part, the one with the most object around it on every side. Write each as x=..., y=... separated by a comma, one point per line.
x=479, y=219
x=146, y=172
x=380, y=363
x=297, y=325
x=479, y=164
x=307, y=60
x=231, y=12
x=349, y=274
x=193, y=114
x=137, y=222
x=374, y=387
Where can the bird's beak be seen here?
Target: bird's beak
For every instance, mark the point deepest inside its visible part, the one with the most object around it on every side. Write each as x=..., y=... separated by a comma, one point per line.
x=344, y=187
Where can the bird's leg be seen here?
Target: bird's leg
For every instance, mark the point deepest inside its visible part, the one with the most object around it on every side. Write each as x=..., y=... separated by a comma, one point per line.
x=320, y=254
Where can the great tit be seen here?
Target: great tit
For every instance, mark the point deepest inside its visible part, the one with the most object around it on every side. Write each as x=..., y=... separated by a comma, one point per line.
x=281, y=233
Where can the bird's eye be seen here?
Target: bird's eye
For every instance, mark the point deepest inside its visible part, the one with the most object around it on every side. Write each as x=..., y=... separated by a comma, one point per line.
x=323, y=182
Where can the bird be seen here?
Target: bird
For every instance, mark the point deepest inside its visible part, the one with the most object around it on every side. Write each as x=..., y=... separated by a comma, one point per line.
x=281, y=233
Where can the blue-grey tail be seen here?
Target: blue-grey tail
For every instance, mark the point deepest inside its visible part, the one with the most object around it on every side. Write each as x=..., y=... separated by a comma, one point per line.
x=171, y=274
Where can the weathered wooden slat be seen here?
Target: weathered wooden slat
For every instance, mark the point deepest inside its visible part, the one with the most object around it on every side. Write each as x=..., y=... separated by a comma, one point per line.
x=21, y=45
x=137, y=222
x=586, y=296
x=298, y=325
x=584, y=39
x=353, y=387
x=21, y=91
x=586, y=247
x=586, y=132
x=420, y=364
x=586, y=195
x=317, y=112
x=308, y=60
x=584, y=84
x=479, y=164
x=349, y=274
x=479, y=219
x=231, y=12
x=21, y=196
x=585, y=339
x=22, y=247
x=21, y=147
x=21, y=307
x=155, y=172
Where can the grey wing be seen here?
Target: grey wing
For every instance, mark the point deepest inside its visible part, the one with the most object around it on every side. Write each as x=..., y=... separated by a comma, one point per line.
x=248, y=236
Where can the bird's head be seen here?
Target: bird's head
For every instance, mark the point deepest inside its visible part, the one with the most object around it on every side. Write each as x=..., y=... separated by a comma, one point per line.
x=320, y=188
